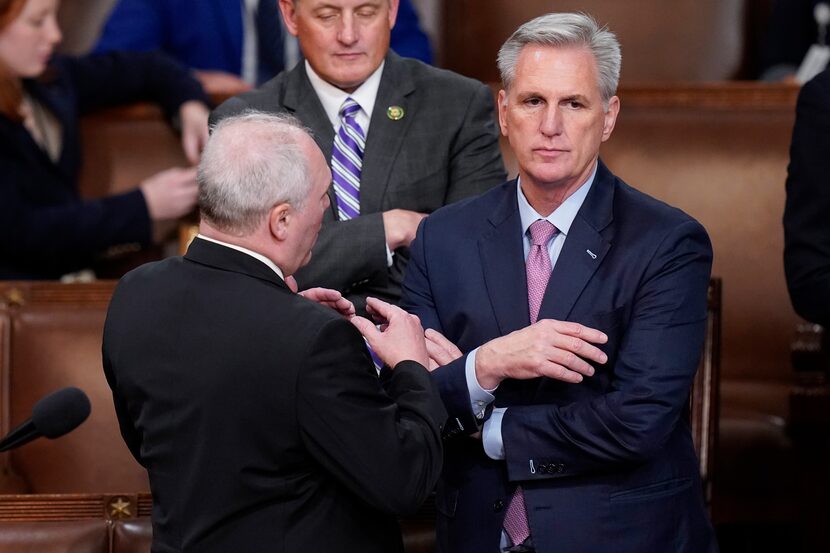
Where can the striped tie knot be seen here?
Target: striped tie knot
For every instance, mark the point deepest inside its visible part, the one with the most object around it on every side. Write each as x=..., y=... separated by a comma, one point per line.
x=349, y=108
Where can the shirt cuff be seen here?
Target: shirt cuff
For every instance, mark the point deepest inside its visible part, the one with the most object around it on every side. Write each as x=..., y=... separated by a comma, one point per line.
x=491, y=437
x=389, y=254
x=479, y=397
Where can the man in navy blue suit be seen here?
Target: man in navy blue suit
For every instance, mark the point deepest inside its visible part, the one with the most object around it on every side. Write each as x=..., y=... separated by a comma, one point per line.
x=567, y=313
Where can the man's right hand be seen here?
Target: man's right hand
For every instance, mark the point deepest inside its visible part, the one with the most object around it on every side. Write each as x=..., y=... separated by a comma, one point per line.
x=555, y=349
x=402, y=337
x=400, y=226
x=171, y=193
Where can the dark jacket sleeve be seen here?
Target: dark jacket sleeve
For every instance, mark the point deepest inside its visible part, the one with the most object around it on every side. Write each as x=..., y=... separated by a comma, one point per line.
x=114, y=78
x=380, y=438
x=807, y=210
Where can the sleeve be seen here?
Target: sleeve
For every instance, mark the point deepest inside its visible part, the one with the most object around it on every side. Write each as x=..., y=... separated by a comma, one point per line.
x=451, y=379
x=135, y=25
x=379, y=437
x=807, y=208
x=652, y=375
x=102, y=80
x=64, y=236
x=348, y=254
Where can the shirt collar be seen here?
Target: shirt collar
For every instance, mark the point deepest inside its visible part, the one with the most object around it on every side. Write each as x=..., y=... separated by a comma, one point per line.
x=253, y=254
x=332, y=97
x=564, y=215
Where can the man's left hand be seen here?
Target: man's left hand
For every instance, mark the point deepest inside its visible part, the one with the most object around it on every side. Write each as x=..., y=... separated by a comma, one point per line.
x=441, y=351
x=194, y=121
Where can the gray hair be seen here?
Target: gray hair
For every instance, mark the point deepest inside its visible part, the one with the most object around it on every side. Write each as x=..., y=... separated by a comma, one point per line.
x=252, y=162
x=566, y=29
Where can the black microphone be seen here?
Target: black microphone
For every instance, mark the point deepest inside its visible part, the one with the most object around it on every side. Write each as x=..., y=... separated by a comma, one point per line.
x=53, y=416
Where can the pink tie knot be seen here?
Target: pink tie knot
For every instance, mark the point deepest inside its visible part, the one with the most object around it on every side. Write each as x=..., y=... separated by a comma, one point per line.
x=541, y=231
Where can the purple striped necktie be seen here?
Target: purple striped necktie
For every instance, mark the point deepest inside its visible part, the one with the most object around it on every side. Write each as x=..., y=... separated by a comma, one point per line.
x=538, y=267
x=347, y=161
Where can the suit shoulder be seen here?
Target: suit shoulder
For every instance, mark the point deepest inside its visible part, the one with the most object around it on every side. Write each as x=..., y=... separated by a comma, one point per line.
x=268, y=97
x=634, y=204
x=470, y=212
x=442, y=80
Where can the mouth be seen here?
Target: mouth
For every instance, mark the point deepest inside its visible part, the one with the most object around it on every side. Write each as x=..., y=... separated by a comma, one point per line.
x=348, y=56
x=549, y=152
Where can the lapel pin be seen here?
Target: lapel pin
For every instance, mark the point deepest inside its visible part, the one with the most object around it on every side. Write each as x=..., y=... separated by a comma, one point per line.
x=395, y=113
x=592, y=254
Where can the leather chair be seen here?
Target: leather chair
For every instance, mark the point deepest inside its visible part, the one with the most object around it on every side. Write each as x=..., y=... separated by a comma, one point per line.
x=80, y=536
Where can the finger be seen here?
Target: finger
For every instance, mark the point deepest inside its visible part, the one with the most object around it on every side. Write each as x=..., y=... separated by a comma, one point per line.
x=580, y=348
x=345, y=307
x=433, y=335
x=381, y=310
x=322, y=295
x=190, y=145
x=558, y=372
x=365, y=327
x=438, y=354
x=292, y=283
x=571, y=361
x=581, y=331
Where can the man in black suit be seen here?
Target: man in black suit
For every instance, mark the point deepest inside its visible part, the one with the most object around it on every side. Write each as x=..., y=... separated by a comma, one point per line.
x=807, y=211
x=430, y=138
x=257, y=412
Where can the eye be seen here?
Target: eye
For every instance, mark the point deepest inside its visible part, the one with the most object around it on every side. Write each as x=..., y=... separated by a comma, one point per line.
x=367, y=12
x=533, y=101
x=574, y=104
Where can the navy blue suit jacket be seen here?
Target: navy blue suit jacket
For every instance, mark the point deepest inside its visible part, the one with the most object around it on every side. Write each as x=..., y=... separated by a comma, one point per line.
x=607, y=464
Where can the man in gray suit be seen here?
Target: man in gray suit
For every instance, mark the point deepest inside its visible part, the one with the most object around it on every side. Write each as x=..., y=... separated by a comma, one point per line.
x=403, y=139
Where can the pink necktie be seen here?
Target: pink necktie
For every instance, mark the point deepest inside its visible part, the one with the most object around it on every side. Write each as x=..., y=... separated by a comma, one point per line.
x=538, y=273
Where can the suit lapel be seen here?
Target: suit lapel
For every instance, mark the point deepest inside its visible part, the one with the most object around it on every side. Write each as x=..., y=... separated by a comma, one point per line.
x=584, y=250
x=502, y=259
x=386, y=136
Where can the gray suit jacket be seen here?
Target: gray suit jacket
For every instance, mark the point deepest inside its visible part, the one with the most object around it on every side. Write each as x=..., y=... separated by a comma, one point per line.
x=445, y=148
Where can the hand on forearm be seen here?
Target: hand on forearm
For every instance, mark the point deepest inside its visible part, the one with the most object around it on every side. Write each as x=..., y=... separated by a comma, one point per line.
x=555, y=349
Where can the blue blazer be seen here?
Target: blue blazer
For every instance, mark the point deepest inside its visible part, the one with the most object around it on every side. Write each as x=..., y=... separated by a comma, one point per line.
x=607, y=464
x=207, y=34
x=47, y=229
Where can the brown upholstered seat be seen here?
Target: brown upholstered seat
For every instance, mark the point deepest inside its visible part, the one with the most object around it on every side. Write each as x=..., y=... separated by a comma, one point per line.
x=79, y=536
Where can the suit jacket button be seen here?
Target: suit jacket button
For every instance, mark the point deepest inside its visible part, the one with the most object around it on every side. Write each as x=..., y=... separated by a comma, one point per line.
x=498, y=506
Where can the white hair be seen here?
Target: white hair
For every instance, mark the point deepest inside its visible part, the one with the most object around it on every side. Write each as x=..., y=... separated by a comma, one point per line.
x=252, y=162
x=566, y=29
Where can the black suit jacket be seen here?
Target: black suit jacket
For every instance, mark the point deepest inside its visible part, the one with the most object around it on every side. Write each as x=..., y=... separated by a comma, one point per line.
x=47, y=230
x=259, y=415
x=445, y=148
x=807, y=211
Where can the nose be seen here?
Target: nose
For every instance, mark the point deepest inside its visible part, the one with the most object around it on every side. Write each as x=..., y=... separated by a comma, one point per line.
x=53, y=31
x=551, y=124
x=347, y=32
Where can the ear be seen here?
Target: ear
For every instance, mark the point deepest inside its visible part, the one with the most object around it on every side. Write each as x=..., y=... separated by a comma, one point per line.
x=289, y=15
x=502, y=105
x=393, y=12
x=279, y=220
x=610, y=117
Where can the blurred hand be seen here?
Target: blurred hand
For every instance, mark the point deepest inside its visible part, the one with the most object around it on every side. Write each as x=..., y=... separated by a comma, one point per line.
x=400, y=226
x=329, y=298
x=402, y=337
x=220, y=83
x=556, y=349
x=194, y=120
x=171, y=193
x=441, y=351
